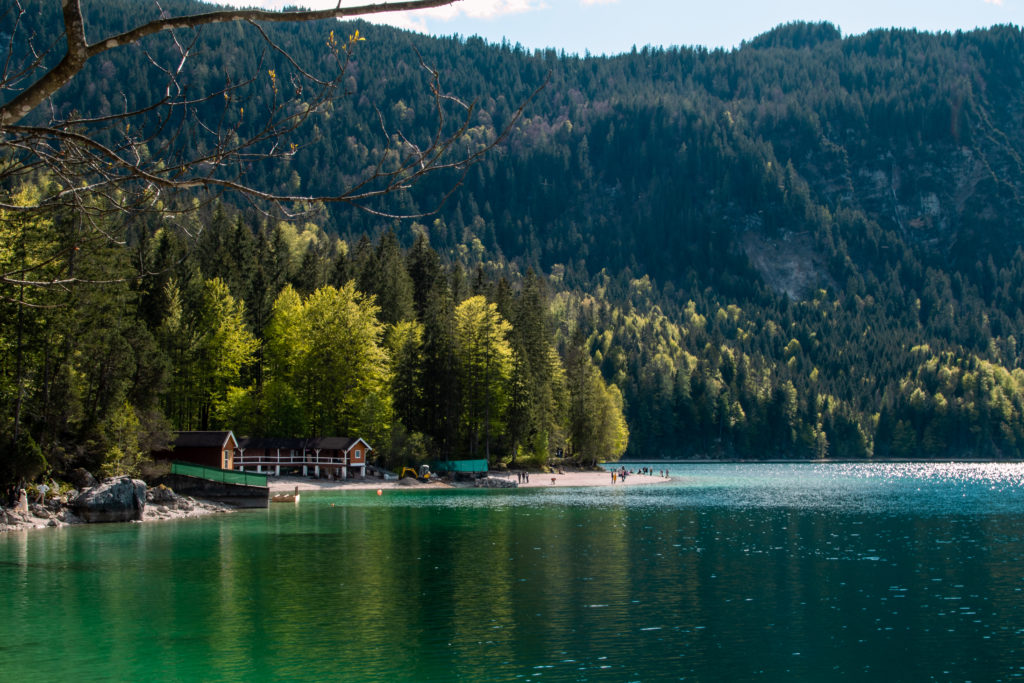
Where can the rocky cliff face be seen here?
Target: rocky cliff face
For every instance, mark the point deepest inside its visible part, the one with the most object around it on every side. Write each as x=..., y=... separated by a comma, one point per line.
x=789, y=263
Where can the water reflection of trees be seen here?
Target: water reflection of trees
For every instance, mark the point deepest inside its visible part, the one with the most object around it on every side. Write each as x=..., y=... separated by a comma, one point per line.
x=413, y=587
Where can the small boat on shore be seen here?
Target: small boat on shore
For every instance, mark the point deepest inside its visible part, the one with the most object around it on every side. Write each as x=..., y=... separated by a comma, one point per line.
x=286, y=497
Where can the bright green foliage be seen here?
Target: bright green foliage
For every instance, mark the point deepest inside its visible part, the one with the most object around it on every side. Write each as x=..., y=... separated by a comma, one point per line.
x=208, y=346
x=344, y=373
x=279, y=410
x=326, y=371
x=599, y=432
x=484, y=361
x=124, y=455
x=949, y=405
x=285, y=345
x=597, y=426
x=224, y=346
x=177, y=342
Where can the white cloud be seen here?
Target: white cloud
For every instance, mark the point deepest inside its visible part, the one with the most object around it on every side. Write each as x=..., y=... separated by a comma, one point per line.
x=473, y=9
x=994, y=2
x=478, y=9
x=488, y=9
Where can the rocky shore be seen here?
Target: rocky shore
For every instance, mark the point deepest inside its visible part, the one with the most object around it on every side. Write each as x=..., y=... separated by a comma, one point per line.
x=118, y=499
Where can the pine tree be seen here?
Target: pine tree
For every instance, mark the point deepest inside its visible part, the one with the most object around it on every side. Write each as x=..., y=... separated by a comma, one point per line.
x=391, y=284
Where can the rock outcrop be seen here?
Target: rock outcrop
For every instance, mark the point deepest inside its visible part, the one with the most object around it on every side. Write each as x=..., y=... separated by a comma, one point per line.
x=118, y=499
x=121, y=499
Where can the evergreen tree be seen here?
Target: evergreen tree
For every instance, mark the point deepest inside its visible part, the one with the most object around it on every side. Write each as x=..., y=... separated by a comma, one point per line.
x=391, y=283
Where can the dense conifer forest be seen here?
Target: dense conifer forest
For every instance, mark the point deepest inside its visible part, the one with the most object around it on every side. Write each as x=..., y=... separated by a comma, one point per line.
x=806, y=247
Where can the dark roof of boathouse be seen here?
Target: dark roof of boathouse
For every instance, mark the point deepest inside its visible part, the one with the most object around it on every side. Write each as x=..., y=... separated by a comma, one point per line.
x=332, y=443
x=271, y=442
x=202, y=439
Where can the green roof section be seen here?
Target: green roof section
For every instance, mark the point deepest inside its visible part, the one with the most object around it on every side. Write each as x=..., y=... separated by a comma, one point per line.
x=214, y=474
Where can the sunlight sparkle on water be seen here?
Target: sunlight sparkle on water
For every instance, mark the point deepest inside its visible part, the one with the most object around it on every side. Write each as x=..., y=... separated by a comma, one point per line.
x=801, y=571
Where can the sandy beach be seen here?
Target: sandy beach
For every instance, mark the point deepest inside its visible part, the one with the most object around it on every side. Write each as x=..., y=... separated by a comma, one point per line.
x=537, y=480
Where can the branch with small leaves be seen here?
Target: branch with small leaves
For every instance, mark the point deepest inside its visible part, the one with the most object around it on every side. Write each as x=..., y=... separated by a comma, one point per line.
x=185, y=150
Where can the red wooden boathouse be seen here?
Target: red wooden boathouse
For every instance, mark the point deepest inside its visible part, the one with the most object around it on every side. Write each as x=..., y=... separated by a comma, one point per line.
x=335, y=457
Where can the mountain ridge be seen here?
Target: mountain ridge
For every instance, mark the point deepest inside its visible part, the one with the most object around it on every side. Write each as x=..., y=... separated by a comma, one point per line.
x=805, y=246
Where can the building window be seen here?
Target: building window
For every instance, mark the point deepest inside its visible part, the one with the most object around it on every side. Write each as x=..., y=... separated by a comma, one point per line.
x=227, y=460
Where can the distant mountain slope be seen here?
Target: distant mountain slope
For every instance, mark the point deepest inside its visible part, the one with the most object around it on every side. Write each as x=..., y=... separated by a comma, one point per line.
x=808, y=245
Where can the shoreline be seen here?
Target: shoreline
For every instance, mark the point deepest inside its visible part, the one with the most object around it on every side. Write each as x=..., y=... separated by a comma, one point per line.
x=538, y=480
x=186, y=507
x=821, y=461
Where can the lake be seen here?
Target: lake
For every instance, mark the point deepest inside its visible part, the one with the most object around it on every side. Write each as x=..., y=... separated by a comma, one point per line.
x=787, y=572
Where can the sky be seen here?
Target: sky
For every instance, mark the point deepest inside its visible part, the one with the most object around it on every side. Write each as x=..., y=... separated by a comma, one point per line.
x=615, y=26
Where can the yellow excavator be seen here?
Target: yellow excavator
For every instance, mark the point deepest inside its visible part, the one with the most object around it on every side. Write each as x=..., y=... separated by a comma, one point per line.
x=423, y=475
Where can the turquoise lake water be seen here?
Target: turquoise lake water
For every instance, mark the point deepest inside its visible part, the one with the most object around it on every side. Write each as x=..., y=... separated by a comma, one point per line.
x=802, y=572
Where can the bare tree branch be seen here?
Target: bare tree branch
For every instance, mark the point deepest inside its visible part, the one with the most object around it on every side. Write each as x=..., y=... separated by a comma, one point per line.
x=79, y=51
x=185, y=150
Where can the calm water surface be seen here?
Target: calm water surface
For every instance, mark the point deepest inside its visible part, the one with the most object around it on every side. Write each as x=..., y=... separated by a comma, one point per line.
x=730, y=572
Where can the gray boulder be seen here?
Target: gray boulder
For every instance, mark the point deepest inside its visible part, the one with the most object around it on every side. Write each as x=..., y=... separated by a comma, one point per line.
x=118, y=499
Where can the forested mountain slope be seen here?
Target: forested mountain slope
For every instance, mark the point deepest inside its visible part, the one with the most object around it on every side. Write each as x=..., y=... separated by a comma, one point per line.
x=808, y=246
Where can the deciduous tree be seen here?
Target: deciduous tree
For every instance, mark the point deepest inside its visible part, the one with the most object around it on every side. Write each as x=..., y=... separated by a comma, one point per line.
x=484, y=360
